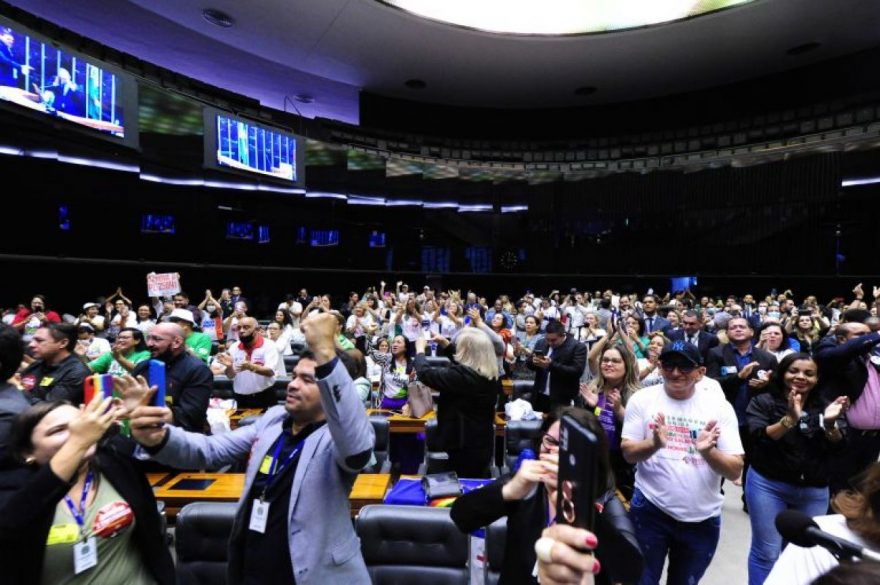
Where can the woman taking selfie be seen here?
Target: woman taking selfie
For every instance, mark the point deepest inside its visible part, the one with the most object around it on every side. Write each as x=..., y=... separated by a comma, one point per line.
x=528, y=500
x=794, y=437
x=73, y=507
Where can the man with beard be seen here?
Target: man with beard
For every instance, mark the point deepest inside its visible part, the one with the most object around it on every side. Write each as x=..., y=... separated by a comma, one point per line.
x=251, y=364
x=188, y=381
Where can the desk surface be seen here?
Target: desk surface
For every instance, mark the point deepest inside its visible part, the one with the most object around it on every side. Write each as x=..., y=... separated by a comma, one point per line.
x=156, y=479
x=404, y=424
x=369, y=488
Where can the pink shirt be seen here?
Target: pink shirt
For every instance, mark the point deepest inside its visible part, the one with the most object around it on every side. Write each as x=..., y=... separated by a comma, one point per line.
x=865, y=413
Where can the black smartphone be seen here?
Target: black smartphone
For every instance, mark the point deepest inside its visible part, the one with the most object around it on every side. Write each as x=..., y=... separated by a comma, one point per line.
x=539, y=353
x=578, y=466
x=192, y=484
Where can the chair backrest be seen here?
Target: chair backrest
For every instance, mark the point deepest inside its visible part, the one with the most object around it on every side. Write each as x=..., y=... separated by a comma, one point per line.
x=522, y=389
x=382, y=430
x=280, y=388
x=412, y=544
x=436, y=461
x=438, y=361
x=222, y=388
x=519, y=435
x=297, y=348
x=202, y=542
x=496, y=539
x=290, y=362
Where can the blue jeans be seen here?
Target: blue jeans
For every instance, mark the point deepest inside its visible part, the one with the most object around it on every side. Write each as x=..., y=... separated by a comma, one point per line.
x=766, y=499
x=690, y=545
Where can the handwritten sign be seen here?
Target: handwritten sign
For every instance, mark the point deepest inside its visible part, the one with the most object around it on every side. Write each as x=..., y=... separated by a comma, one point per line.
x=162, y=285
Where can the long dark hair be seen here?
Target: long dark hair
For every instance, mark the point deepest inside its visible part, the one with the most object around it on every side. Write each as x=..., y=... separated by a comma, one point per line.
x=140, y=343
x=23, y=427
x=778, y=380
x=604, y=475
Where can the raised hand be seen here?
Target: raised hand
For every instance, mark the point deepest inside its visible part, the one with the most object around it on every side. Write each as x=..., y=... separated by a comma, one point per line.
x=530, y=472
x=747, y=370
x=707, y=439
x=795, y=404
x=134, y=392
x=836, y=408
x=94, y=419
x=661, y=433
x=590, y=394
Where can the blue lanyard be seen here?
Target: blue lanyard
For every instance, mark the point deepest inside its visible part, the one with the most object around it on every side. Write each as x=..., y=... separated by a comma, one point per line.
x=275, y=468
x=80, y=515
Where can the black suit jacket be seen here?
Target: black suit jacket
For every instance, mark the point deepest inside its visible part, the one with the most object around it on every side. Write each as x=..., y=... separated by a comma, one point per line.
x=12, y=402
x=188, y=387
x=30, y=493
x=705, y=341
x=725, y=355
x=842, y=366
x=566, y=367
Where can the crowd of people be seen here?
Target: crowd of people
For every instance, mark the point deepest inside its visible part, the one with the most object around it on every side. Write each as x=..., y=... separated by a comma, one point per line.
x=776, y=393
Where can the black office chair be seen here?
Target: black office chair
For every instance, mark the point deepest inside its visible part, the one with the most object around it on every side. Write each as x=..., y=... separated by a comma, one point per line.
x=438, y=361
x=522, y=389
x=222, y=388
x=496, y=539
x=280, y=388
x=297, y=348
x=382, y=429
x=412, y=544
x=202, y=542
x=519, y=435
x=436, y=460
x=290, y=362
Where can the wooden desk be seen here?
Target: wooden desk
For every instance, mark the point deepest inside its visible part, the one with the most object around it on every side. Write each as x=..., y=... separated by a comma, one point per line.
x=507, y=386
x=404, y=424
x=369, y=488
x=241, y=413
x=157, y=479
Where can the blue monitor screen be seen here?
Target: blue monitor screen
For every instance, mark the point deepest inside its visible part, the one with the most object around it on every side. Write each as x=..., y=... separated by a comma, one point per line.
x=44, y=78
x=239, y=231
x=377, y=239
x=64, y=217
x=322, y=238
x=249, y=147
x=263, y=234
x=157, y=224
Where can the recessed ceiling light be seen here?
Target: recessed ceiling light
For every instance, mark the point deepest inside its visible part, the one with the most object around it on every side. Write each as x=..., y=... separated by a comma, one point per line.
x=304, y=98
x=805, y=48
x=586, y=90
x=217, y=17
x=415, y=83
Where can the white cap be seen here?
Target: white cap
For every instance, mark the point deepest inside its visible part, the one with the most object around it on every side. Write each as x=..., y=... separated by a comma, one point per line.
x=87, y=305
x=182, y=315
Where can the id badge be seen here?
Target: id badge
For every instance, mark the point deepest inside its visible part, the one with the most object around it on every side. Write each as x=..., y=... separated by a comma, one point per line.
x=259, y=516
x=85, y=555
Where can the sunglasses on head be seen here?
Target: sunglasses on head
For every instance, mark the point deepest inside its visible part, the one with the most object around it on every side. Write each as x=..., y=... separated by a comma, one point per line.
x=684, y=368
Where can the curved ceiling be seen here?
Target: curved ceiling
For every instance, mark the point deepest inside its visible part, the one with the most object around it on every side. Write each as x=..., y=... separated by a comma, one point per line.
x=332, y=49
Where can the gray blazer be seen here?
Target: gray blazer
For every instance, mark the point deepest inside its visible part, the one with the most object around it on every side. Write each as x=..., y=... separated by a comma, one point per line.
x=323, y=545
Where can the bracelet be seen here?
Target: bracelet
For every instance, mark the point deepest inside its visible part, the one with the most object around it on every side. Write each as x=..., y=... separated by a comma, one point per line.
x=786, y=422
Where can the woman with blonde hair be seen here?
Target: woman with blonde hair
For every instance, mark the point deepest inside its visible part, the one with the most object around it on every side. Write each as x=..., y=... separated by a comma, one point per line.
x=466, y=406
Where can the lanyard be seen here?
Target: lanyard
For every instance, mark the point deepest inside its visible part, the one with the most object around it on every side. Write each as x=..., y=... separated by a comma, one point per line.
x=275, y=467
x=80, y=515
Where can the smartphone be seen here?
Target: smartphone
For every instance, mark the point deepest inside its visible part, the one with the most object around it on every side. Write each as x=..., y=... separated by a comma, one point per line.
x=467, y=320
x=539, y=353
x=156, y=377
x=97, y=384
x=578, y=467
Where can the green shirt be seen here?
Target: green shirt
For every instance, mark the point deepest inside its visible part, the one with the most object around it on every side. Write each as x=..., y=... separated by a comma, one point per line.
x=345, y=342
x=200, y=344
x=105, y=364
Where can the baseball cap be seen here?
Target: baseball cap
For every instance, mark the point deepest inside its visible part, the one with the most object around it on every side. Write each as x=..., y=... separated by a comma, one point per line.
x=182, y=315
x=684, y=349
x=88, y=305
x=86, y=326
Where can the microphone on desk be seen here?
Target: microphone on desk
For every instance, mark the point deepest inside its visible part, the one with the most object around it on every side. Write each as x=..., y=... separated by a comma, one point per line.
x=798, y=528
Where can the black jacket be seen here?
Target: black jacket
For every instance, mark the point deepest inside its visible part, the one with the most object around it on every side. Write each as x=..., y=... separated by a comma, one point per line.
x=802, y=456
x=618, y=551
x=842, y=366
x=12, y=402
x=465, y=407
x=189, y=384
x=61, y=381
x=705, y=341
x=30, y=493
x=566, y=367
x=725, y=356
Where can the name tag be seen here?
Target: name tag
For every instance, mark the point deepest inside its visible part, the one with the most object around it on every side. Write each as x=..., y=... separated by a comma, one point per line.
x=85, y=555
x=266, y=465
x=63, y=534
x=728, y=370
x=259, y=516
x=46, y=381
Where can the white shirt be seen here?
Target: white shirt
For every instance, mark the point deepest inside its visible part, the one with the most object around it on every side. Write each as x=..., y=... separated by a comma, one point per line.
x=801, y=566
x=97, y=347
x=676, y=478
x=247, y=382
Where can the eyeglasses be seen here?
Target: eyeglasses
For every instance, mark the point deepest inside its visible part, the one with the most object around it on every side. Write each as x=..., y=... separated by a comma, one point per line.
x=610, y=360
x=549, y=441
x=683, y=368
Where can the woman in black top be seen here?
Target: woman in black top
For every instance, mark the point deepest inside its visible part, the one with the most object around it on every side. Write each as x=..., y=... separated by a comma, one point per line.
x=794, y=435
x=466, y=406
x=528, y=500
x=63, y=491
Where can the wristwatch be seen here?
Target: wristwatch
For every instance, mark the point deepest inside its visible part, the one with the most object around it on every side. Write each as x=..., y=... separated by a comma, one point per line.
x=786, y=422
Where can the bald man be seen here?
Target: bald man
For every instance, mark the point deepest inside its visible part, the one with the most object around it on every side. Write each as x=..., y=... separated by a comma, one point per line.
x=251, y=364
x=188, y=381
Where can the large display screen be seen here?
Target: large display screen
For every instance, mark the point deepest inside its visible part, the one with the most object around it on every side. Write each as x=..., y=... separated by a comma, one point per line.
x=241, y=145
x=37, y=74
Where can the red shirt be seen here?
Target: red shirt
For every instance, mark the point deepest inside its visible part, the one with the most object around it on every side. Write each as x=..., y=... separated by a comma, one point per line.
x=22, y=316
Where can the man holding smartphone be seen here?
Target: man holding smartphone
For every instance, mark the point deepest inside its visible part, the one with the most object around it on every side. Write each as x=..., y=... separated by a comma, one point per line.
x=558, y=361
x=683, y=441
